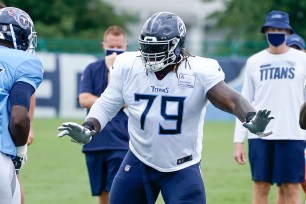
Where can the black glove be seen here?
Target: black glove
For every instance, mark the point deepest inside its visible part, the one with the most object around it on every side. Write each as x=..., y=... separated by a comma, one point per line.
x=19, y=162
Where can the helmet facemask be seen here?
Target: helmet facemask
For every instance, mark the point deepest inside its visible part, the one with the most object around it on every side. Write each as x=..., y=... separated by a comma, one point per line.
x=157, y=55
x=162, y=41
x=32, y=42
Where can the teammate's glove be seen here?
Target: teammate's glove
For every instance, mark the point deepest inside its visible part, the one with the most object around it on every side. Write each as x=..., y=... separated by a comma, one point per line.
x=258, y=123
x=78, y=133
x=21, y=157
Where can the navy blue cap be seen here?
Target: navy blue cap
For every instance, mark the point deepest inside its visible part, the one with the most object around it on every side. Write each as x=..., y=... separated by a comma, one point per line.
x=296, y=40
x=277, y=19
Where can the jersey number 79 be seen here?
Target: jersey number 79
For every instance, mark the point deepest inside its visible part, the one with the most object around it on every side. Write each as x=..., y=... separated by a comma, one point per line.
x=164, y=99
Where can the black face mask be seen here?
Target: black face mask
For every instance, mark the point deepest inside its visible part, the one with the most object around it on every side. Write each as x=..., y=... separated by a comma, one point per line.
x=111, y=51
x=276, y=39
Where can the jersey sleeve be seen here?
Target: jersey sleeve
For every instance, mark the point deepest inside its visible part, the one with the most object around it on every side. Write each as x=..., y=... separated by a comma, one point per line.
x=212, y=73
x=240, y=132
x=31, y=72
x=86, y=83
x=111, y=100
x=248, y=84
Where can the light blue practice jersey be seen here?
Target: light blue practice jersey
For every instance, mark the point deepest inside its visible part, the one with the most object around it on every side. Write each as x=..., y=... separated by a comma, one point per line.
x=15, y=65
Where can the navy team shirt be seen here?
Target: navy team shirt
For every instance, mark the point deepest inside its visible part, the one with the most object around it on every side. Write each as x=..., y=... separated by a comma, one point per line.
x=114, y=135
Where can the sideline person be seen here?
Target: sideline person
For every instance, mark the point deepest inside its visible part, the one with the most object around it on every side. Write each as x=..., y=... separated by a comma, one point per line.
x=274, y=79
x=105, y=152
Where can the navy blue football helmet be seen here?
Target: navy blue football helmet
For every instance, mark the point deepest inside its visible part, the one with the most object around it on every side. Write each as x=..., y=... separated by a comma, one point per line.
x=17, y=27
x=162, y=41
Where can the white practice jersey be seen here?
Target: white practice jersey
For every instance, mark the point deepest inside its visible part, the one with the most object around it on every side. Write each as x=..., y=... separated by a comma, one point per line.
x=166, y=117
x=275, y=82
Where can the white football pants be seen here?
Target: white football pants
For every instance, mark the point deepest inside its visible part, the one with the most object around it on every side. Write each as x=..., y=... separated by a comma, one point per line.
x=9, y=185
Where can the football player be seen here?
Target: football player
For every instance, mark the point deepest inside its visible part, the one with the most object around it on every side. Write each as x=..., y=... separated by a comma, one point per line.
x=166, y=91
x=20, y=74
x=295, y=41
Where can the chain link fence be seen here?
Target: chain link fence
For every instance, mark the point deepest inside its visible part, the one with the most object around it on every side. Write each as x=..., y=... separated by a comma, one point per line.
x=208, y=48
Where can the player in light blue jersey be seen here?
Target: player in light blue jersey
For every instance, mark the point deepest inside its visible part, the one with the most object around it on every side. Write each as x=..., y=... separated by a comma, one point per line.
x=20, y=74
x=166, y=91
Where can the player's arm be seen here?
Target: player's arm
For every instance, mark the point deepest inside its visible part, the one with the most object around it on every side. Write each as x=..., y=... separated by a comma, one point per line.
x=99, y=115
x=229, y=100
x=19, y=124
x=302, y=119
x=101, y=112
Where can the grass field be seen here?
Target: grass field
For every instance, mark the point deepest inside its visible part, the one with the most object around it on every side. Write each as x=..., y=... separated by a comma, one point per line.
x=56, y=171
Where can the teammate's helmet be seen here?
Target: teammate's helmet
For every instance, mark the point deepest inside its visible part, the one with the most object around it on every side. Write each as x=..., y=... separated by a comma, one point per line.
x=17, y=27
x=162, y=40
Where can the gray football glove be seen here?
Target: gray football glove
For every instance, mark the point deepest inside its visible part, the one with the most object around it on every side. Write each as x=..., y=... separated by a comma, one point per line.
x=259, y=122
x=78, y=133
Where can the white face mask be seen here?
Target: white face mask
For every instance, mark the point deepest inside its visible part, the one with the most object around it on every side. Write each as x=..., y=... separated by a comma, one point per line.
x=155, y=66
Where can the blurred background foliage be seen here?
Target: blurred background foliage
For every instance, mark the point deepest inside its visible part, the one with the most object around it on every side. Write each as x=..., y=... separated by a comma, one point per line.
x=72, y=18
x=241, y=22
x=72, y=26
x=243, y=19
x=76, y=26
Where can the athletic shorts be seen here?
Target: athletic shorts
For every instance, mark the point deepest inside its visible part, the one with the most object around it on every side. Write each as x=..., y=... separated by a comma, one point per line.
x=9, y=185
x=137, y=183
x=277, y=161
x=102, y=167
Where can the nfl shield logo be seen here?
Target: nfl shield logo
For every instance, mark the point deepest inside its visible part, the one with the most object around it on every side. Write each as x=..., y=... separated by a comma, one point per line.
x=127, y=167
x=4, y=28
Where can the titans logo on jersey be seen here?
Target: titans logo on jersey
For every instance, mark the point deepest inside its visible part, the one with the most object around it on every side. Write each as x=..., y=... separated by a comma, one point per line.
x=160, y=89
x=269, y=71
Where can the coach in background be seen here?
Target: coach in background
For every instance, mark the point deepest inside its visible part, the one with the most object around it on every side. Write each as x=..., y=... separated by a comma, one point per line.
x=105, y=152
x=295, y=41
x=274, y=79
x=20, y=74
x=302, y=120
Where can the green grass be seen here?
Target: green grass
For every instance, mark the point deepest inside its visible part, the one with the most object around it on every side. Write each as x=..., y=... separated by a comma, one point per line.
x=56, y=171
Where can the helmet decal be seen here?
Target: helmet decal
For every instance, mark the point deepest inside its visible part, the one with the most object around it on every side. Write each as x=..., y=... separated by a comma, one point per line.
x=20, y=17
x=4, y=28
x=17, y=27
